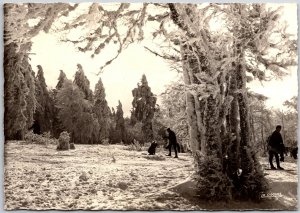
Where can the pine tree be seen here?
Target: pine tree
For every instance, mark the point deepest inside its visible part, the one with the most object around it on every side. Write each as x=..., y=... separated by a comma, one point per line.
x=61, y=80
x=101, y=110
x=56, y=124
x=75, y=113
x=30, y=97
x=19, y=99
x=44, y=112
x=143, y=107
x=83, y=83
x=120, y=124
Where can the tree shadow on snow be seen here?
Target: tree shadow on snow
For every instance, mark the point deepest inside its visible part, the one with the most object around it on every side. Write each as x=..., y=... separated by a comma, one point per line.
x=286, y=189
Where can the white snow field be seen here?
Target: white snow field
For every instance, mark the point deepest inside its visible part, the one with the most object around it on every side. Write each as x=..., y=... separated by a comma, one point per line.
x=110, y=177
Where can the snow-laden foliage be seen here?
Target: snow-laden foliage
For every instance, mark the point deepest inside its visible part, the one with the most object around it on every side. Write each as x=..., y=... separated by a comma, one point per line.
x=267, y=46
x=102, y=111
x=288, y=119
x=118, y=132
x=19, y=93
x=61, y=78
x=57, y=125
x=63, y=141
x=209, y=172
x=24, y=21
x=261, y=121
x=44, y=112
x=75, y=113
x=43, y=139
x=134, y=132
x=252, y=182
x=143, y=107
x=172, y=112
x=106, y=26
x=292, y=103
x=83, y=83
x=215, y=62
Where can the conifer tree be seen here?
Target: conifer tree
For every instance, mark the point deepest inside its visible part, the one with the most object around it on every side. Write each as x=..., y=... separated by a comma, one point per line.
x=19, y=99
x=101, y=110
x=61, y=78
x=75, y=113
x=57, y=125
x=143, y=107
x=83, y=83
x=44, y=112
x=30, y=97
x=113, y=113
x=120, y=123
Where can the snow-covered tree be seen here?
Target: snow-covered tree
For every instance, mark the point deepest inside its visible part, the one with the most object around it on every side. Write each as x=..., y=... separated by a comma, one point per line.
x=172, y=112
x=261, y=121
x=83, y=83
x=44, y=112
x=61, y=78
x=214, y=64
x=120, y=130
x=24, y=21
x=75, y=113
x=56, y=124
x=288, y=119
x=19, y=88
x=101, y=110
x=143, y=107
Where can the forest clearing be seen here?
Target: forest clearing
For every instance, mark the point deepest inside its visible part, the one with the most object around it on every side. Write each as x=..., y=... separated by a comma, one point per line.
x=112, y=177
x=90, y=86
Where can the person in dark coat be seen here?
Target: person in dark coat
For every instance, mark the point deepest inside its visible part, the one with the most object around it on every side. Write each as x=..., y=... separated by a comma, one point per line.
x=152, y=148
x=172, y=142
x=275, y=147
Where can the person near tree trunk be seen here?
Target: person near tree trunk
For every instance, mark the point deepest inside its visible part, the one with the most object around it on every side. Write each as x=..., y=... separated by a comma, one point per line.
x=172, y=142
x=275, y=146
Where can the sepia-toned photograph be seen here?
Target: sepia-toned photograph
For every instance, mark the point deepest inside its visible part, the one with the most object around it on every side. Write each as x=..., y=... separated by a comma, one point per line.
x=150, y=106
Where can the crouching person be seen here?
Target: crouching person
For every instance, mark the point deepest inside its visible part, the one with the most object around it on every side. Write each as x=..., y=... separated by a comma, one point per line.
x=152, y=148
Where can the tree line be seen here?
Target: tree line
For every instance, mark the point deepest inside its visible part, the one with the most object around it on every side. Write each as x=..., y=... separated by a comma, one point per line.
x=71, y=106
x=251, y=40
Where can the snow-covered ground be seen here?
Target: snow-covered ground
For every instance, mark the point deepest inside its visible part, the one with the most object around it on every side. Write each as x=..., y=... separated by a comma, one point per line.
x=111, y=177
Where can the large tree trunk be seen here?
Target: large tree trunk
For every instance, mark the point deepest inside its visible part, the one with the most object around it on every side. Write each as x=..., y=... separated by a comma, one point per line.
x=192, y=103
x=243, y=108
x=252, y=128
x=252, y=174
x=234, y=125
x=264, y=145
x=212, y=133
x=213, y=182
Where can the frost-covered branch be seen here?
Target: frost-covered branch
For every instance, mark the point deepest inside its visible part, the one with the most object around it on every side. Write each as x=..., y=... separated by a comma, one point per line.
x=24, y=21
x=165, y=56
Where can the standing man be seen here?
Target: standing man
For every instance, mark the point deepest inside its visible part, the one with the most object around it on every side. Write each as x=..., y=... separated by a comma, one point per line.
x=172, y=142
x=275, y=147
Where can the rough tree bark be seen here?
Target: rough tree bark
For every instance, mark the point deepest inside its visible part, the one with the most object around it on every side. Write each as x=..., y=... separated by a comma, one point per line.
x=234, y=123
x=243, y=108
x=192, y=104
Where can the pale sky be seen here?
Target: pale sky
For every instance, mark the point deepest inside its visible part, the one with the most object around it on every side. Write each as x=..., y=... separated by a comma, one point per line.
x=125, y=72
x=119, y=79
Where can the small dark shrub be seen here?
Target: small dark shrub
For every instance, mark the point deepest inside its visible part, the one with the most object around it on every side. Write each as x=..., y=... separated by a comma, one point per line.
x=64, y=141
x=72, y=146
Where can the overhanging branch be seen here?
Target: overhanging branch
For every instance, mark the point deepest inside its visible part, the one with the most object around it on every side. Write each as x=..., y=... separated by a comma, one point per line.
x=166, y=57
